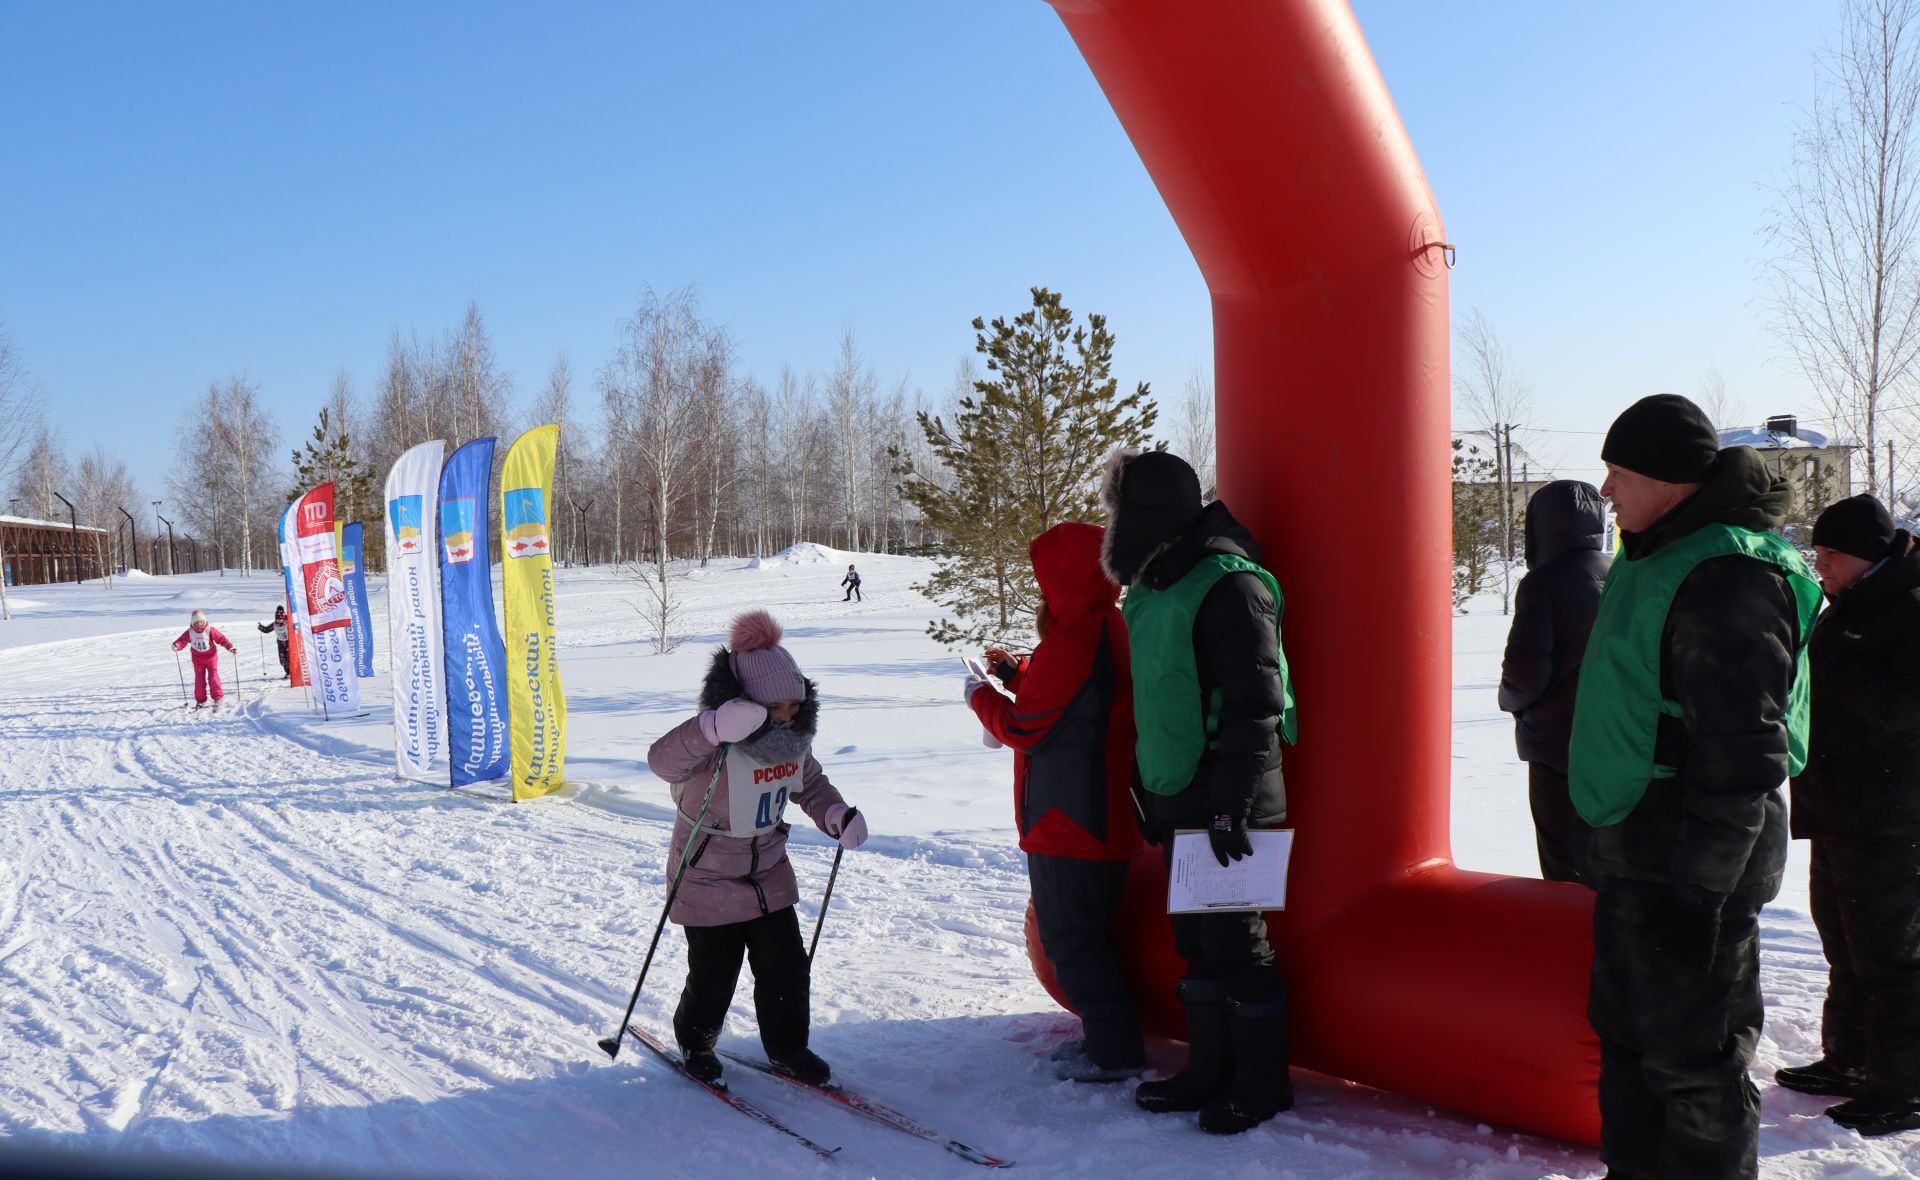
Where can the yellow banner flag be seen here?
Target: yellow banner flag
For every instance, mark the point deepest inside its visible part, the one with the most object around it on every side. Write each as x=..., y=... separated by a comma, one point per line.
x=536, y=704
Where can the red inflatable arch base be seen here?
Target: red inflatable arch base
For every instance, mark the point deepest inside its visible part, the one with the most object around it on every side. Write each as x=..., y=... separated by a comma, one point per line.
x=1269, y=132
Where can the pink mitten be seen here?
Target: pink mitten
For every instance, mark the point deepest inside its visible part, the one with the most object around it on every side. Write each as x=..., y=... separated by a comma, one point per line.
x=732, y=722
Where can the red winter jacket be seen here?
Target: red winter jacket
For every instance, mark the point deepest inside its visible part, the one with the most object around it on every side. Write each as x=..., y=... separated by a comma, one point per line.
x=203, y=653
x=1070, y=723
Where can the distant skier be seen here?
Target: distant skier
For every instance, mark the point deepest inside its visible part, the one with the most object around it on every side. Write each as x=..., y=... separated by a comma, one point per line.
x=759, y=712
x=203, y=638
x=278, y=629
x=852, y=583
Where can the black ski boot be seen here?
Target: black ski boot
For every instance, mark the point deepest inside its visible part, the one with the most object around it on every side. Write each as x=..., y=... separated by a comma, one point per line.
x=1823, y=1077
x=803, y=1065
x=704, y=1064
x=1209, y=1064
x=1261, y=1086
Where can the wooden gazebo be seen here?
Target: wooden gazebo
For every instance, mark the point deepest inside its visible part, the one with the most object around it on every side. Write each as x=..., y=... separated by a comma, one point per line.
x=41, y=551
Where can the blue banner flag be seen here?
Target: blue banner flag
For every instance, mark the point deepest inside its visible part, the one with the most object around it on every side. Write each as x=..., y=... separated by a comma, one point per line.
x=475, y=655
x=354, y=573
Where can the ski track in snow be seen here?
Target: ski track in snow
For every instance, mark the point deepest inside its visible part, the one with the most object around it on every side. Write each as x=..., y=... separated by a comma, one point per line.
x=237, y=936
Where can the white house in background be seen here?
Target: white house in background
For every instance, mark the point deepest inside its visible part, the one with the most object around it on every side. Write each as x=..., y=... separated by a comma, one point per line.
x=1798, y=454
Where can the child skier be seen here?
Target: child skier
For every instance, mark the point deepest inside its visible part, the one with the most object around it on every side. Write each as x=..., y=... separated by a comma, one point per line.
x=852, y=583
x=278, y=629
x=204, y=639
x=751, y=746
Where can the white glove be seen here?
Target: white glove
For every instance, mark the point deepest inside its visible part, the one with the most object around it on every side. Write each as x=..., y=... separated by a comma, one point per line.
x=990, y=742
x=846, y=825
x=974, y=684
x=732, y=722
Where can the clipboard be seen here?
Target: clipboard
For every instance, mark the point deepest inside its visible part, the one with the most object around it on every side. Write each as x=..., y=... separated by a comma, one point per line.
x=1198, y=884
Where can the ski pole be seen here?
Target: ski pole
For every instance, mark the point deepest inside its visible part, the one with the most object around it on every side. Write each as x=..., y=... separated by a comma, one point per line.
x=233, y=657
x=828, y=896
x=611, y=1045
x=182, y=673
x=263, y=656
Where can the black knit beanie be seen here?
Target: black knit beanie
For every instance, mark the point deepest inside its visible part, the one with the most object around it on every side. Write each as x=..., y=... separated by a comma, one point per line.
x=1664, y=437
x=1859, y=525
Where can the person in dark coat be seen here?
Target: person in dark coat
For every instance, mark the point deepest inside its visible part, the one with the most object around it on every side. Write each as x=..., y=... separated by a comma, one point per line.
x=1203, y=624
x=1686, y=725
x=1553, y=610
x=852, y=583
x=1070, y=724
x=278, y=629
x=1858, y=802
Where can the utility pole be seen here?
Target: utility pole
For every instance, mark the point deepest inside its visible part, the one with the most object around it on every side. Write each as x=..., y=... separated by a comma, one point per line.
x=173, y=555
x=1503, y=452
x=133, y=552
x=73, y=520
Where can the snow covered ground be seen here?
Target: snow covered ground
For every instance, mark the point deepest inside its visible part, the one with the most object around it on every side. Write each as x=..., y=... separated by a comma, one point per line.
x=237, y=937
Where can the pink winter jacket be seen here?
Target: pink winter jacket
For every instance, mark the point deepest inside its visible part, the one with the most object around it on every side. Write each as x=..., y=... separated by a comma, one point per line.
x=215, y=640
x=735, y=878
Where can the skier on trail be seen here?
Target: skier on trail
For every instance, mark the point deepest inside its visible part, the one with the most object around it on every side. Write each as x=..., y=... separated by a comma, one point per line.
x=750, y=750
x=204, y=639
x=1070, y=723
x=852, y=583
x=278, y=629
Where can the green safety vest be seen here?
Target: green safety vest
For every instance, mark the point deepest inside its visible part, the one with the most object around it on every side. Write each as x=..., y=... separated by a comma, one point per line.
x=1174, y=725
x=1616, y=717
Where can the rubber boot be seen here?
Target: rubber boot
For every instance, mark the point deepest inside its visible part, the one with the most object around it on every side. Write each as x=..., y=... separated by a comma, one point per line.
x=1824, y=1077
x=1261, y=1086
x=1209, y=1064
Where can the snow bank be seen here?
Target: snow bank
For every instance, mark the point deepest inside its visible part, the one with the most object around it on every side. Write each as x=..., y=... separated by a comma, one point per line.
x=803, y=554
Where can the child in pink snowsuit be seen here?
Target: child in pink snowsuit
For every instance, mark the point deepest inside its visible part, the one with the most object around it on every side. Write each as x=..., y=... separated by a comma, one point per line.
x=204, y=639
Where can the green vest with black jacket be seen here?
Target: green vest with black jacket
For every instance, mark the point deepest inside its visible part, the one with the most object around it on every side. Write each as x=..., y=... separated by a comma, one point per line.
x=1174, y=725
x=1617, y=715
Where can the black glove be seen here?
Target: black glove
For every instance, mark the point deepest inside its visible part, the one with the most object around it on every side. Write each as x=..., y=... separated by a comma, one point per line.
x=1228, y=835
x=1685, y=926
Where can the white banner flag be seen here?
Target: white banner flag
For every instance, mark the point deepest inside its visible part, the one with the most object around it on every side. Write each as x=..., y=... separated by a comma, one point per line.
x=413, y=609
x=326, y=602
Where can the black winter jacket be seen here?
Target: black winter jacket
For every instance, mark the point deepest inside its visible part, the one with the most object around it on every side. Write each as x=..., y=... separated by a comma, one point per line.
x=1719, y=827
x=1862, y=779
x=1236, y=649
x=1553, y=612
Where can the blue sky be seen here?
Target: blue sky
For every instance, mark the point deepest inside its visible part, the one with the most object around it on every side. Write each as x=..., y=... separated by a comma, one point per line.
x=190, y=191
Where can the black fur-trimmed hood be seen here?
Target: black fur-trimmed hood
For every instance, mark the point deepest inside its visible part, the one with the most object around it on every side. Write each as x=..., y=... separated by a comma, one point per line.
x=722, y=685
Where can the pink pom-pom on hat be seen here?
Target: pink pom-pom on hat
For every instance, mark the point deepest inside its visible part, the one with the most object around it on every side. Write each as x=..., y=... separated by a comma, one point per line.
x=766, y=670
x=755, y=631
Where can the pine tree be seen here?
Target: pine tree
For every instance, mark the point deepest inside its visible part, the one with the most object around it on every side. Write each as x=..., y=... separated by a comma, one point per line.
x=1476, y=521
x=1023, y=453
x=329, y=456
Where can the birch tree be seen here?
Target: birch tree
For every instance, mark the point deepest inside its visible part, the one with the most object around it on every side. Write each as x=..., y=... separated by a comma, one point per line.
x=1846, y=224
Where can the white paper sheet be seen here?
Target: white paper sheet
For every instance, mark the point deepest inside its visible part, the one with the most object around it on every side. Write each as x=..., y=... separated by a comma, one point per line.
x=1197, y=884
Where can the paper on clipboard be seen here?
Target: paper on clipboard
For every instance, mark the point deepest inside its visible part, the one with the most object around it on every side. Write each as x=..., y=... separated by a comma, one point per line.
x=1196, y=882
x=978, y=671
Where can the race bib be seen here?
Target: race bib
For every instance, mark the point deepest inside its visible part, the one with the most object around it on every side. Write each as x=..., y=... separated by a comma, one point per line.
x=758, y=792
x=201, y=640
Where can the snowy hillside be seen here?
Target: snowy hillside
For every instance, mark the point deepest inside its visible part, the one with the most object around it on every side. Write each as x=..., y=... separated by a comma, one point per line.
x=238, y=937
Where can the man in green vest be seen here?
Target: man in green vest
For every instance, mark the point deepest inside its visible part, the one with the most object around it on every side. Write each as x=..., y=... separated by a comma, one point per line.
x=1211, y=706
x=1691, y=714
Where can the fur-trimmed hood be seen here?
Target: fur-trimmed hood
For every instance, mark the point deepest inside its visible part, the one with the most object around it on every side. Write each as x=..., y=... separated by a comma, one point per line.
x=722, y=685
x=1151, y=498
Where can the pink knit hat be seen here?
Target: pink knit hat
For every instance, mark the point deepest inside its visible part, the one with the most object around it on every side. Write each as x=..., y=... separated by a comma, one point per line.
x=766, y=670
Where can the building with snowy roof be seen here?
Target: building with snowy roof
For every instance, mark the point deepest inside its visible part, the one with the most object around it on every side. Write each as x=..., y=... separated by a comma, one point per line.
x=34, y=552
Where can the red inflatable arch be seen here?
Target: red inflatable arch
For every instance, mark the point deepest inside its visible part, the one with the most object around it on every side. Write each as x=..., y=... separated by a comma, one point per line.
x=1269, y=132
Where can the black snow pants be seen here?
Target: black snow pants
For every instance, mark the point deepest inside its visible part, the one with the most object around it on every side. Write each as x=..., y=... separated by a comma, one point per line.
x=1558, y=831
x=1230, y=948
x=1677, y=1019
x=280, y=645
x=1866, y=905
x=1074, y=904
x=771, y=943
